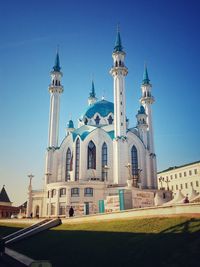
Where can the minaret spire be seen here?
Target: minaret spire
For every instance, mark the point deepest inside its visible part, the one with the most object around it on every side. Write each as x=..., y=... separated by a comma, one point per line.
x=145, y=75
x=92, y=96
x=56, y=66
x=118, y=43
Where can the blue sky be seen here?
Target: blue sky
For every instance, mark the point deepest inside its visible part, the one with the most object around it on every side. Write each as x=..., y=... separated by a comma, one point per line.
x=165, y=34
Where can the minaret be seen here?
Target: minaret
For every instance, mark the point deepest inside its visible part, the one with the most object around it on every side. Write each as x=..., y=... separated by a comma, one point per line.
x=55, y=90
x=147, y=100
x=92, y=97
x=142, y=125
x=119, y=71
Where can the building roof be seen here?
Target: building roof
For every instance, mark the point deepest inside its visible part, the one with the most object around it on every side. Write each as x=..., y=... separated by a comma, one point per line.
x=141, y=110
x=177, y=167
x=85, y=130
x=118, y=43
x=4, y=196
x=103, y=107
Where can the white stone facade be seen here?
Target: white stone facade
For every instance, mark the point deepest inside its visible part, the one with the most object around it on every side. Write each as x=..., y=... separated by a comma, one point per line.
x=101, y=152
x=181, y=178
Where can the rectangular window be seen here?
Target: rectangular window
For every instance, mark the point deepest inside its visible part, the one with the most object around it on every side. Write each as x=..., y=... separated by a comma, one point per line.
x=186, y=186
x=172, y=188
x=175, y=175
x=191, y=183
x=53, y=192
x=88, y=192
x=181, y=186
x=62, y=208
x=197, y=183
x=195, y=171
x=176, y=187
x=180, y=174
x=75, y=192
x=171, y=176
x=190, y=172
x=185, y=174
x=62, y=192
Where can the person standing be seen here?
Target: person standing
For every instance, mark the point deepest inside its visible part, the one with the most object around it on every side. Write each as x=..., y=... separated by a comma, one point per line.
x=71, y=212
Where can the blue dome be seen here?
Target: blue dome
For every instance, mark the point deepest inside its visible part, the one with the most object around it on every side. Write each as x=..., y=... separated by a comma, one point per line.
x=141, y=110
x=102, y=107
x=70, y=124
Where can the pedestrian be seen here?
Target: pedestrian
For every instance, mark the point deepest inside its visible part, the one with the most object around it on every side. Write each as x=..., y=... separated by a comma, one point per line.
x=186, y=200
x=71, y=212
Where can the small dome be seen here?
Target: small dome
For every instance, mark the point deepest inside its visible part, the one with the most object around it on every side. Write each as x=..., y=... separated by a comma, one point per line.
x=102, y=107
x=70, y=124
x=141, y=110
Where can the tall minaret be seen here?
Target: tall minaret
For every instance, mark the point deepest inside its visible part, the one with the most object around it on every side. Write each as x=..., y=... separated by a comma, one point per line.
x=92, y=97
x=119, y=71
x=147, y=100
x=55, y=90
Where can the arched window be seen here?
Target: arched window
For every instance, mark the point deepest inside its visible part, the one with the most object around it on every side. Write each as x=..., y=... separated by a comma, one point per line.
x=91, y=155
x=116, y=64
x=77, y=159
x=104, y=160
x=53, y=192
x=134, y=160
x=110, y=119
x=68, y=164
x=97, y=120
x=62, y=192
x=86, y=121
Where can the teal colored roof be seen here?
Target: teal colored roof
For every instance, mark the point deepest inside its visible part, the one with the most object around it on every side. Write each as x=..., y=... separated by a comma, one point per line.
x=118, y=43
x=145, y=76
x=70, y=124
x=85, y=130
x=141, y=110
x=92, y=94
x=4, y=196
x=57, y=67
x=103, y=107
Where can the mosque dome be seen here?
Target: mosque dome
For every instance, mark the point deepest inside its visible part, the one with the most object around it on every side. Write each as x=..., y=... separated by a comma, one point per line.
x=102, y=107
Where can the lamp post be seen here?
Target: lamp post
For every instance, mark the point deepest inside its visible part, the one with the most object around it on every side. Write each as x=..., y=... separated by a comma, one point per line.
x=106, y=168
x=161, y=180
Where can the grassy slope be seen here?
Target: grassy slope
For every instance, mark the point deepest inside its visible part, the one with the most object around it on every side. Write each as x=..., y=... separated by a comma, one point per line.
x=140, y=242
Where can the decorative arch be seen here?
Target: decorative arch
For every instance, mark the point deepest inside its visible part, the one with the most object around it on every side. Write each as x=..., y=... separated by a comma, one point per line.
x=104, y=161
x=91, y=155
x=134, y=160
x=77, y=164
x=68, y=164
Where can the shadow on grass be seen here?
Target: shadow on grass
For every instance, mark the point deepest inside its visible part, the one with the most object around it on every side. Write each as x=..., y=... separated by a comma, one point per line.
x=174, y=246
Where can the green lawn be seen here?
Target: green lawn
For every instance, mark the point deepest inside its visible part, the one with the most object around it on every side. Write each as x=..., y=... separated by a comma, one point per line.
x=161, y=242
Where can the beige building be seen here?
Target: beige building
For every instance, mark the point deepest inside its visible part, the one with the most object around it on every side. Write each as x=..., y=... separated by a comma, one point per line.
x=182, y=178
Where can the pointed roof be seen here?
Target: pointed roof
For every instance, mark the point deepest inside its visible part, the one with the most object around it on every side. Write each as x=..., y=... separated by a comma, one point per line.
x=92, y=93
x=141, y=110
x=145, y=76
x=4, y=196
x=118, y=43
x=56, y=66
x=70, y=124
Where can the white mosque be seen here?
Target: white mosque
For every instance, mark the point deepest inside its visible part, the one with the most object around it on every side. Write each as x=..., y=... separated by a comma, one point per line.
x=103, y=154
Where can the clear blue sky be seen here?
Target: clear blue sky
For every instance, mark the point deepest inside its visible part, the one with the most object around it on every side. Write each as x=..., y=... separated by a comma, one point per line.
x=165, y=34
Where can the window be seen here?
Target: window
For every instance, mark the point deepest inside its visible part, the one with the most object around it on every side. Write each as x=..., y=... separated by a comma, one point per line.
x=176, y=187
x=77, y=159
x=48, y=194
x=180, y=174
x=181, y=186
x=121, y=102
x=97, y=120
x=190, y=172
x=121, y=124
x=175, y=175
x=191, y=183
x=197, y=183
x=104, y=160
x=62, y=209
x=53, y=208
x=164, y=196
x=91, y=155
x=186, y=186
x=62, y=192
x=68, y=164
x=185, y=174
x=86, y=121
x=171, y=176
x=134, y=160
x=53, y=192
x=88, y=192
x=75, y=192
x=172, y=188
x=195, y=171
x=110, y=119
